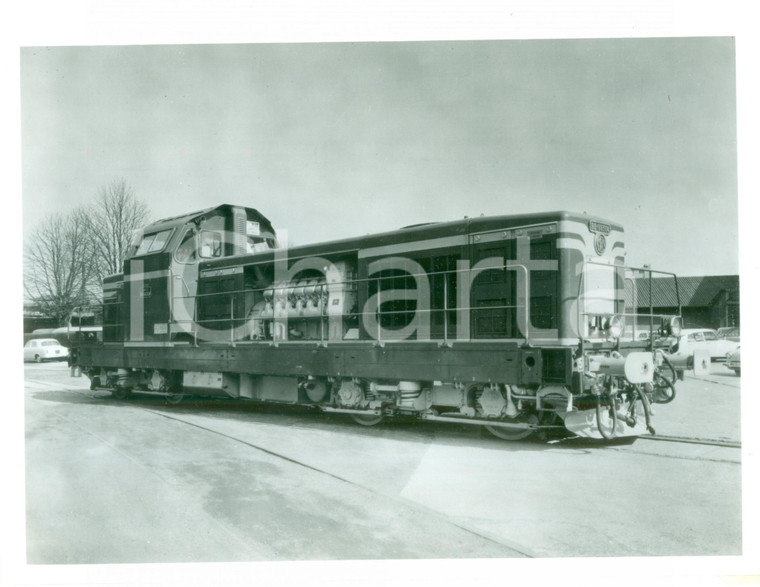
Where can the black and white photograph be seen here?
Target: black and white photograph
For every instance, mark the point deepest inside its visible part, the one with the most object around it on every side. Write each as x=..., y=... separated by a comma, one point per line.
x=381, y=305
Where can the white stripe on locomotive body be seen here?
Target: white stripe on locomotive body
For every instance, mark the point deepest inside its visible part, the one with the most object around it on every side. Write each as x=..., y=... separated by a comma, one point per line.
x=140, y=276
x=220, y=272
x=524, y=231
x=142, y=343
x=582, y=240
x=408, y=247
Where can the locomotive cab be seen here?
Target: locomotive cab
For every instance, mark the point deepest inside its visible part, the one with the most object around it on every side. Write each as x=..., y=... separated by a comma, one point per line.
x=159, y=282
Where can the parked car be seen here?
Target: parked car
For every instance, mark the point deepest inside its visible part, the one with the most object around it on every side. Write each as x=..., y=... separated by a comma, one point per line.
x=729, y=333
x=734, y=361
x=703, y=339
x=45, y=349
x=665, y=342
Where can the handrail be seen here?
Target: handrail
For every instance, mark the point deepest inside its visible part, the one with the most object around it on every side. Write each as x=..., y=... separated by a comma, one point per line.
x=649, y=277
x=279, y=291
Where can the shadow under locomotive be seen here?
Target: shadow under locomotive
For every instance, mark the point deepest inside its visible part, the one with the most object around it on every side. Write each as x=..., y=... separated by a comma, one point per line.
x=226, y=411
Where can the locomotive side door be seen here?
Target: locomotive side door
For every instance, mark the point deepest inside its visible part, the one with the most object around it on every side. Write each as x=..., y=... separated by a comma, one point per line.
x=515, y=285
x=145, y=292
x=184, y=282
x=493, y=296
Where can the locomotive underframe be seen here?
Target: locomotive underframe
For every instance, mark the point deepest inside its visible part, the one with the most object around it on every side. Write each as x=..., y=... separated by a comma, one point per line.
x=481, y=382
x=464, y=362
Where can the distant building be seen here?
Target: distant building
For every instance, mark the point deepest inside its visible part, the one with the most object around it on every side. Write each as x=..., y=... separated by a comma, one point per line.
x=34, y=319
x=710, y=301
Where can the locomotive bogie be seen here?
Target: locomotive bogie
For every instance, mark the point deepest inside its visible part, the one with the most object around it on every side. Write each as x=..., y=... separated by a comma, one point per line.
x=509, y=411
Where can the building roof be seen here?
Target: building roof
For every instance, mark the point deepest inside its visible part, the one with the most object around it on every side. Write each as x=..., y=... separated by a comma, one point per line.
x=699, y=291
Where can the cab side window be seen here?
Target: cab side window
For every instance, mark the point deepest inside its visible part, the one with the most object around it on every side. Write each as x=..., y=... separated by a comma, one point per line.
x=211, y=244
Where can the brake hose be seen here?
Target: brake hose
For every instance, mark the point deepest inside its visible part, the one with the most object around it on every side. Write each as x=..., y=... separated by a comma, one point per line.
x=667, y=397
x=670, y=365
x=645, y=403
x=599, y=418
x=669, y=381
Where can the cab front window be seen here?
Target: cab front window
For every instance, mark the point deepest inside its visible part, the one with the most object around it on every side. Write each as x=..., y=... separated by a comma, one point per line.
x=153, y=243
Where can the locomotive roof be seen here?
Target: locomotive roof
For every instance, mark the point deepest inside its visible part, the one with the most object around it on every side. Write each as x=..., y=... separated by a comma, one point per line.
x=413, y=233
x=172, y=221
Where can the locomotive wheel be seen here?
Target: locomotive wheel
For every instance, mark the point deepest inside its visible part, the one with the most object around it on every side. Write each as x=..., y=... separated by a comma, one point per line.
x=368, y=419
x=174, y=395
x=120, y=393
x=316, y=390
x=507, y=433
x=514, y=433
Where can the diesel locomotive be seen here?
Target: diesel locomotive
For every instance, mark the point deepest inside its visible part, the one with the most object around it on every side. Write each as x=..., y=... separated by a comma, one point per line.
x=523, y=324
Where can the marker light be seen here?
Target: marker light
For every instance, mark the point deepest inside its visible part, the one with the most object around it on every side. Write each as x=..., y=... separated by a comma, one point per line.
x=676, y=324
x=614, y=326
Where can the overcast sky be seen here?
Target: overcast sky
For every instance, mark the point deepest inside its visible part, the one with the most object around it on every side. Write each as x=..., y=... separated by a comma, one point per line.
x=336, y=140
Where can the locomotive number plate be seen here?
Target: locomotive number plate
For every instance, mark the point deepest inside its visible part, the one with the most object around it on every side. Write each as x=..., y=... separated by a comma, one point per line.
x=599, y=227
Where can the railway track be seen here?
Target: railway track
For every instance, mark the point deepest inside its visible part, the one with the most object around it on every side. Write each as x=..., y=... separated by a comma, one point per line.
x=685, y=440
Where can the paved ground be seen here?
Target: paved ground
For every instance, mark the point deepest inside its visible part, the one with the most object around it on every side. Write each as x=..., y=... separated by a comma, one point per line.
x=705, y=407
x=140, y=481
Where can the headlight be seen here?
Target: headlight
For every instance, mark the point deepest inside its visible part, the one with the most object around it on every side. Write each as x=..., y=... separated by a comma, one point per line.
x=676, y=324
x=614, y=326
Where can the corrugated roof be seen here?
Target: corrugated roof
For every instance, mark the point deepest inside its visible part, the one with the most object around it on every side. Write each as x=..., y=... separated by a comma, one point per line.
x=693, y=291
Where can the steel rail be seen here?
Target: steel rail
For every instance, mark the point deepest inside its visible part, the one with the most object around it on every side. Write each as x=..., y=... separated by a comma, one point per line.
x=686, y=440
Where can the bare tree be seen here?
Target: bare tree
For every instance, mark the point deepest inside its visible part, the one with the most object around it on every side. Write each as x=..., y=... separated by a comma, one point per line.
x=112, y=220
x=67, y=257
x=59, y=268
